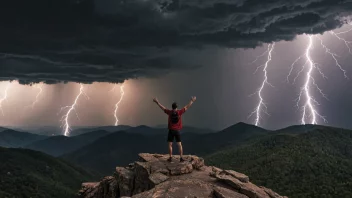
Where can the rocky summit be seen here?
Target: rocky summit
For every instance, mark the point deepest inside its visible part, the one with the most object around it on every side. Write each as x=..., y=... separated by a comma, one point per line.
x=152, y=176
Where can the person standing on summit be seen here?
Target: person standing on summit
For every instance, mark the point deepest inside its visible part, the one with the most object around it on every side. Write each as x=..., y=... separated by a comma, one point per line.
x=175, y=125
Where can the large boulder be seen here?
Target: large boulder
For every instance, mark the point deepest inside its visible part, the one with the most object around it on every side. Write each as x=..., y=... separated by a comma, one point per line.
x=107, y=187
x=153, y=176
x=125, y=180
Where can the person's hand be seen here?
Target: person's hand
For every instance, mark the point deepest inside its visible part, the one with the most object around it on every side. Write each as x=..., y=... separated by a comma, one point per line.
x=155, y=100
x=193, y=98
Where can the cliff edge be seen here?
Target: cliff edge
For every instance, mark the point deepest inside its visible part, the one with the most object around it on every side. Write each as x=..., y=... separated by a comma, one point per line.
x=152, y=176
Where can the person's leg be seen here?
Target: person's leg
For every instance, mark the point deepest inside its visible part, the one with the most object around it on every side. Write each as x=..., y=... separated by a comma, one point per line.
x=170, y=139
x=179, y=144
x=170, y=149
x=180, y=149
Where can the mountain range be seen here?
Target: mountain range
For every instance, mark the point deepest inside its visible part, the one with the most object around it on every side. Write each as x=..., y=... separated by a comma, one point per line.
x=313, y=164
x=118, y=145
x=120, y=148
x=298, y=161
x=110, y=129
x=39, y=130
x=14, y=139
x=59, y=145
x=27, y=173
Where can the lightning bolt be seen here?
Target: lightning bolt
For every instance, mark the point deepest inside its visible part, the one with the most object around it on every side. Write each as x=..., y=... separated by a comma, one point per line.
x=40, y=91
x=117, y=104
x=261, y=103
x=344, y=32
x=334, y=56
x=347, y=43
x=4, y=97
x=71, y=108
x=309, y=109
x=306, y=87
x=263, y=54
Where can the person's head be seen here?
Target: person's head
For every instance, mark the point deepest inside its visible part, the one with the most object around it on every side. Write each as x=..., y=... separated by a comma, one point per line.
x=174, y=105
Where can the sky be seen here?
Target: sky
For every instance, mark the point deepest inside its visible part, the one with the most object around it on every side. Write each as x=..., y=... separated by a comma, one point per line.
x=182, y=49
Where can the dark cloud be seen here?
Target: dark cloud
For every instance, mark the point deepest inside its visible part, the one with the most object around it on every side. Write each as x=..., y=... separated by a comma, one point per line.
x=113, y=40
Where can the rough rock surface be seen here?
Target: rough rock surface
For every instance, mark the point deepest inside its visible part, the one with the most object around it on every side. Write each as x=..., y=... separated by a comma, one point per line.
x=152, y=176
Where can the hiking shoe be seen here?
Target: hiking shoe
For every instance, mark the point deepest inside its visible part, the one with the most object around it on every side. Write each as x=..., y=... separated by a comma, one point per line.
x=170, y=159
x=181, y=159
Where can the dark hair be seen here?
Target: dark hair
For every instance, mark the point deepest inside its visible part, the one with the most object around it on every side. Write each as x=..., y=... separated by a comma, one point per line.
x=174, y=105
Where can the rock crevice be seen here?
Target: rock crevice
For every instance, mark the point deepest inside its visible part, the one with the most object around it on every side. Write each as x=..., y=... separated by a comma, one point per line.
x=153, y=176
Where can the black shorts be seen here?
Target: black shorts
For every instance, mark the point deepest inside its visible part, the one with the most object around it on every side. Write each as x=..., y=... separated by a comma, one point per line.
x=174, y=135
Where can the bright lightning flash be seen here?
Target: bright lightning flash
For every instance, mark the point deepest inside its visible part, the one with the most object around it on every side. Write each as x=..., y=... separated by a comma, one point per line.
x=4, y=97
x=71, y=108
x=117, y=104
x=309, y=109
x=261, y=103
x=308, y=104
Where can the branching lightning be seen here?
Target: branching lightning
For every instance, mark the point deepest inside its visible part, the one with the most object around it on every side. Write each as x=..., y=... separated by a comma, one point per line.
x=261, y=103
x=263, y=54
x=118, y=103
x=71, y=108
x=113, y=89
x=40, y=91
x=292, y=66
x=309, y=109
x=344, y=32
x=347, y=43
x=334, y=56
x=3, y=98
x=306, y=100
x=306, y=88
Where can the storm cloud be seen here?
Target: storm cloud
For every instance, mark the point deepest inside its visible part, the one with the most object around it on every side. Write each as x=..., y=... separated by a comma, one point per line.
x=113, y=40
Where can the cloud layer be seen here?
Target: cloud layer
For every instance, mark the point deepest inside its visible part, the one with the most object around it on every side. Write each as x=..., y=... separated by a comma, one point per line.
x=113, y=40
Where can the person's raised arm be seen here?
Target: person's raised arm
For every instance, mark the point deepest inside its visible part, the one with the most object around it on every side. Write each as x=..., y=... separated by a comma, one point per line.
x=190, y=103
x=160, y=105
